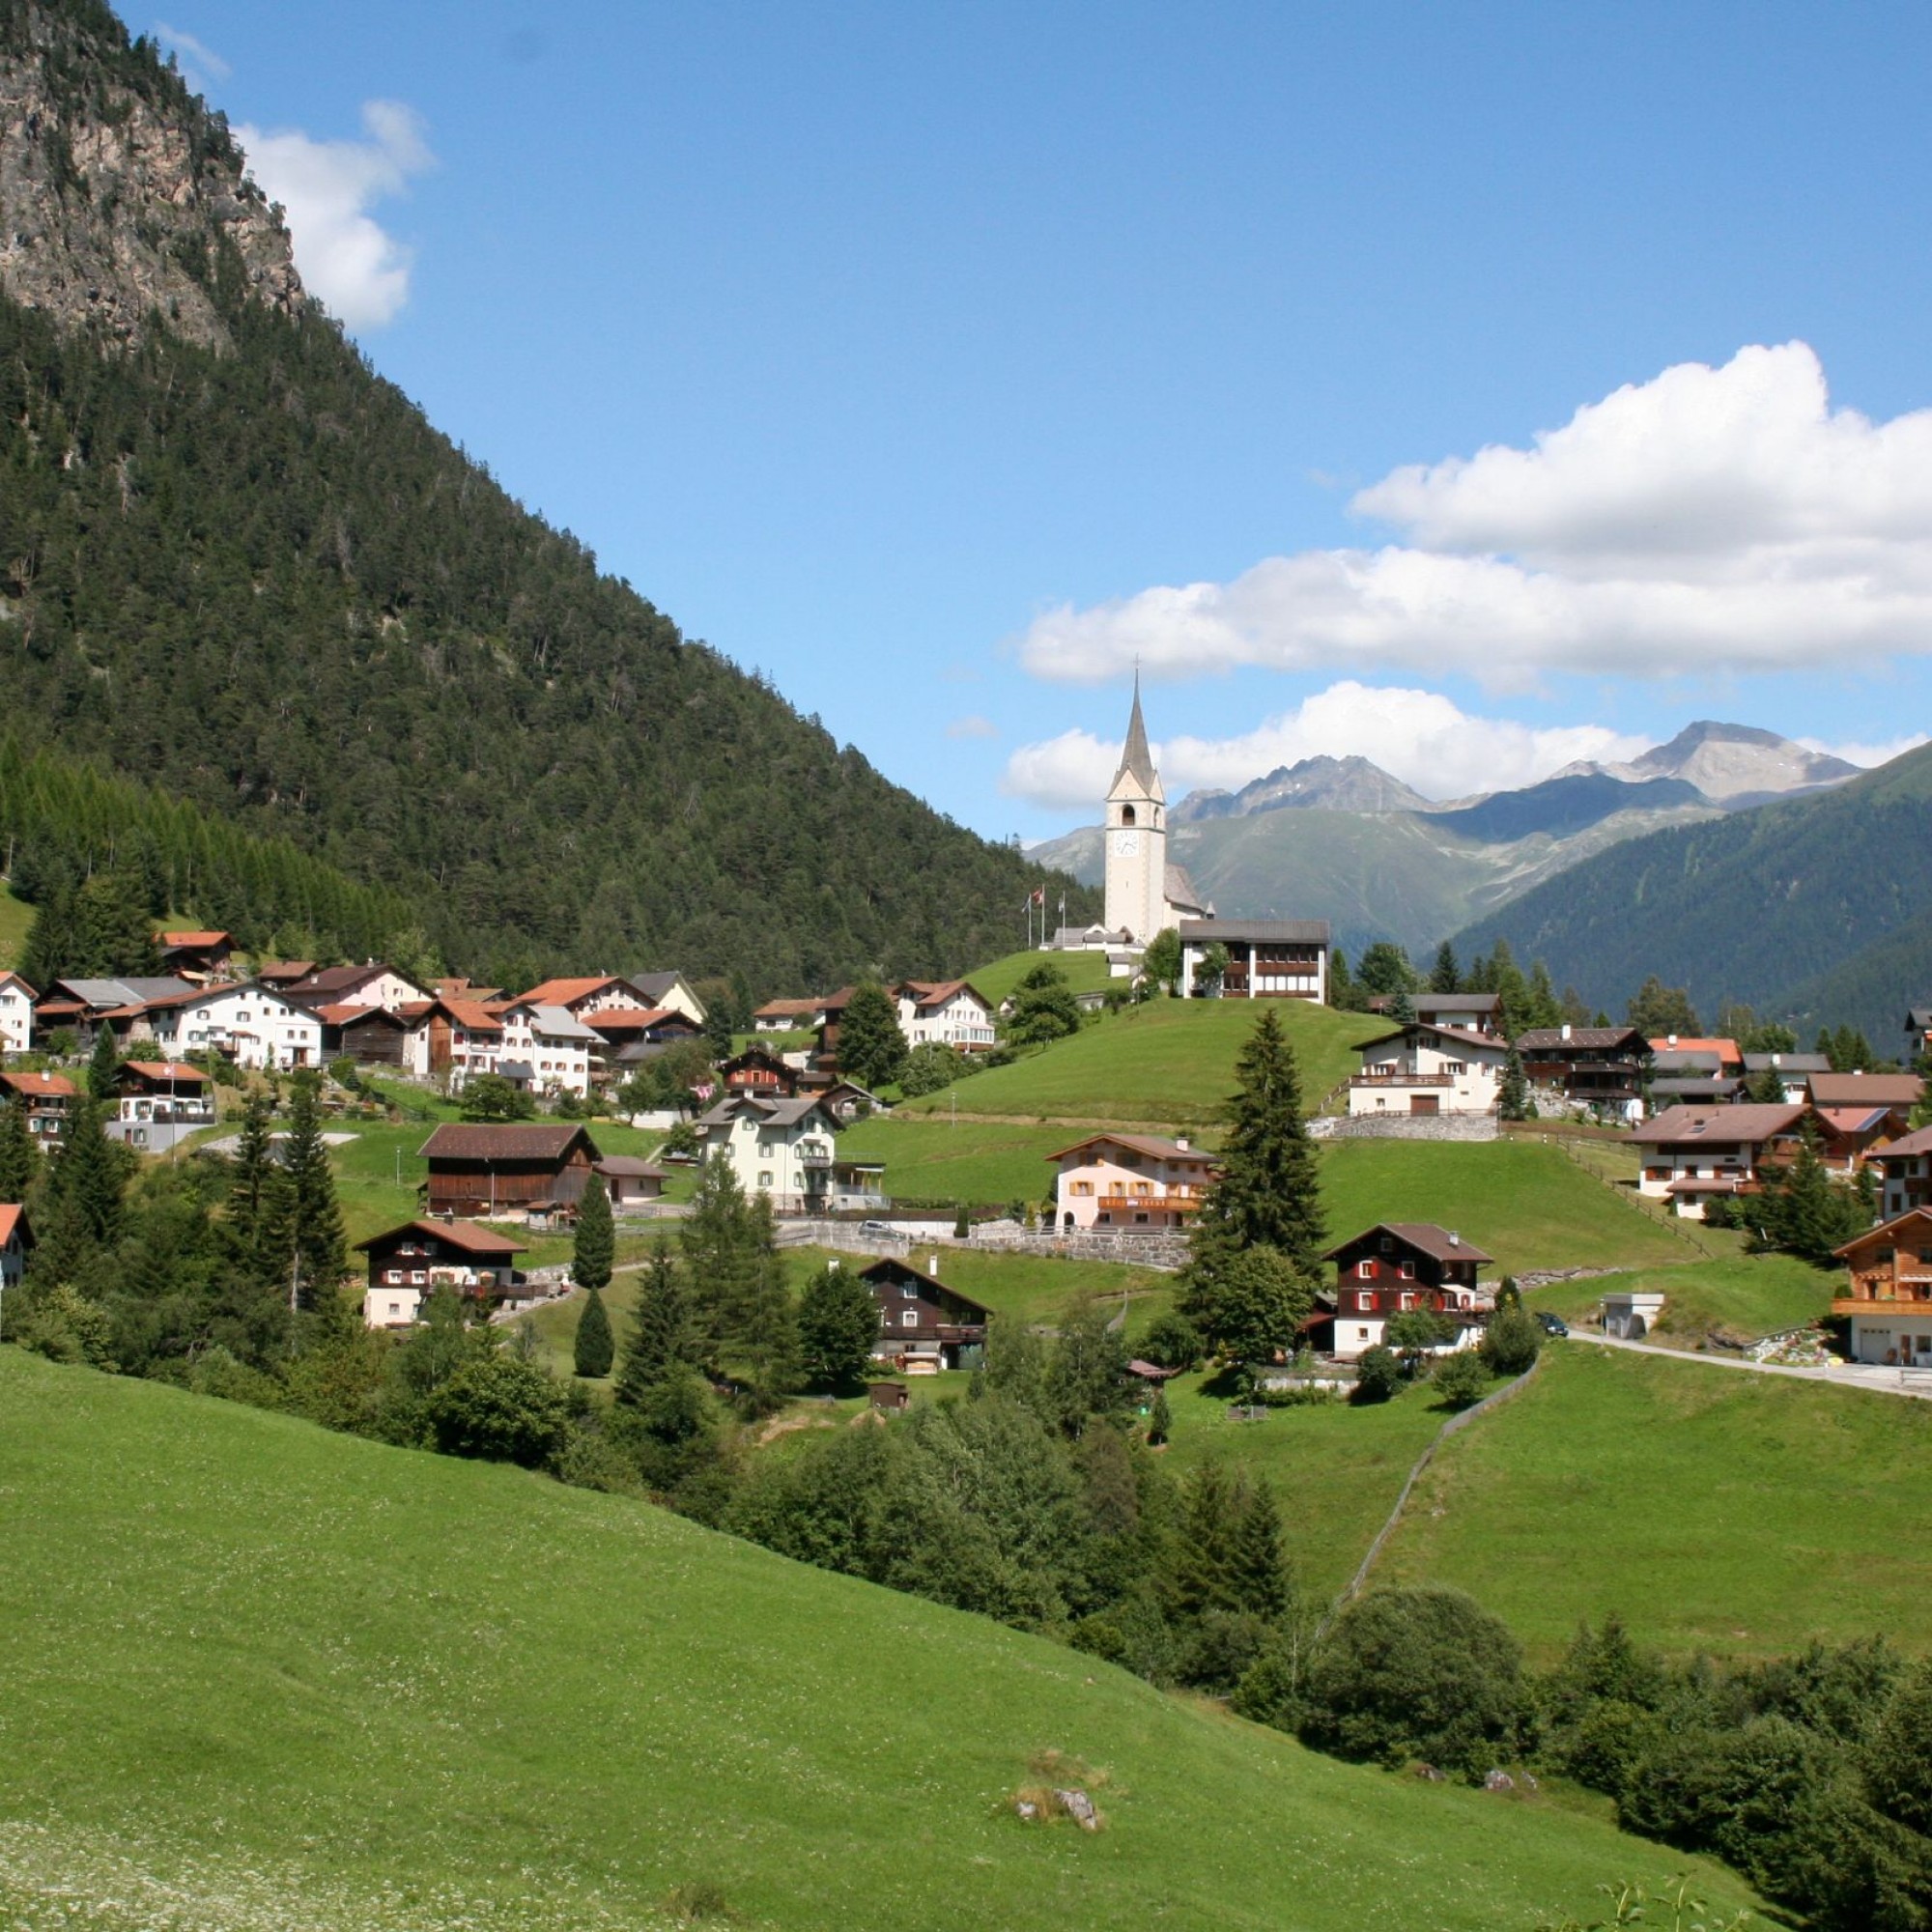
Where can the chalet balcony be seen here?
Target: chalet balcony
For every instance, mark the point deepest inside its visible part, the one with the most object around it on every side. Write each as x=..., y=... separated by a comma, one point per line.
x=813, y=1154
x=1913, y=1307
x=1177, y=1202
x=1402, y=1080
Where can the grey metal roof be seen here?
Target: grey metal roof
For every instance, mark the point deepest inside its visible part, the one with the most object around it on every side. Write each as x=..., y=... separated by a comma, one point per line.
x=1263, y=932
x=1788, y=1063
x=126, y=992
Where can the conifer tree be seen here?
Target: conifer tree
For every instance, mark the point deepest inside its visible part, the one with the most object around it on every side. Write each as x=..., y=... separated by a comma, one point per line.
x=1402, y=1007
x=1263, y=1584
x=1202, y=1576
x=1268, y=1190
x=594, y=1251
x=660, y=1342
x=19, y=1159
x=763, y=1328
x=595, y=1347
x=312, y=1250
x=1512, y=1095
x=1445, y=975
x=871, y=1048
x=1766, y=1086
x=838, y=1327
x=251, y=1185
x=104, y=1063
x=1160, y=1420
x=719, y=1255
x=91, y=1177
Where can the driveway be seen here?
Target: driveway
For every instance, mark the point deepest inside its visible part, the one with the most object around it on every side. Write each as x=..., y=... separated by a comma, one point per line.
x=1915, y=1382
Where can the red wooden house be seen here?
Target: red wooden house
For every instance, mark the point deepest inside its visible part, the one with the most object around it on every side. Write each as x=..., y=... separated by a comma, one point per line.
x=924, y=1325
x=1397, y=1266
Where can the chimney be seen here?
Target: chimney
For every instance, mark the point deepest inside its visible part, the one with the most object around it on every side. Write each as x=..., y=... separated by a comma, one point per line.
x=1455, y=1239
x=1670, y=1039
x=1566, y=1030
x=1182, y=1141
x=932, y=1266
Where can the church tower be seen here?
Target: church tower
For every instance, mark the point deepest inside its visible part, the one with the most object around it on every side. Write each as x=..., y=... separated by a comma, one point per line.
x=1136, y=838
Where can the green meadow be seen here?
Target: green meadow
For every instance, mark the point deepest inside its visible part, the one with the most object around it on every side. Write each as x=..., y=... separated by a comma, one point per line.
x=1169, y=1063
x=1083, y=972
x=16, y=917
x=1713, y=1509
x=260, y=1678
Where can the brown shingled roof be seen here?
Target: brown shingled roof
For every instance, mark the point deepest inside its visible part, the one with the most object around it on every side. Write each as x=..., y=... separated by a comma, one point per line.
x=464, y=1235
x=1424, y=1237
x=531, y=1140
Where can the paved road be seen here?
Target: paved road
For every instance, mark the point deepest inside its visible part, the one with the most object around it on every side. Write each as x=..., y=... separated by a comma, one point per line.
x=1915, y=1382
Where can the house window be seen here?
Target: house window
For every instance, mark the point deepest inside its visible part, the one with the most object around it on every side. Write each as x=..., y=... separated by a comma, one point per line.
x=417, y=1277
x=1083, y=1187
x=395, y=1276
x=1365, y=1270
x=765, y=1179
x=909, y=1290
x=909, y=1318
x=1409, y=1271
x=1361, y=1334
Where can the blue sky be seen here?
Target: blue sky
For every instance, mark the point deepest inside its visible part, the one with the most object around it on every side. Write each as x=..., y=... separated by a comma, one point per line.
x=924, y=358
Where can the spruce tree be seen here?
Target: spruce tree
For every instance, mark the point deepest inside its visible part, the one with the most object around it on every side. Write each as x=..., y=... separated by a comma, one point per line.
x=594, y=1253
x=1268, y=1192
x=595, y=1347
x=20, y=1158
x=91, y=1177
x=660, y=1342
x=316, y=1254
x=1512, y=1095
x=719, y=1252
x=762, y=1329
x=104, y=1063
x=1402, y=1007
x=1160, y=1420
x=1263, y=1584
x=1766, y=1086
x=49, y=954
x=251, y=1184
x=1201, y=1577
x=1445, y=975
x=838, y=1327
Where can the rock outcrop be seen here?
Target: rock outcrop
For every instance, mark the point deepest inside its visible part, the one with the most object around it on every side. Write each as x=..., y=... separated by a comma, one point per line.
x=117, y=206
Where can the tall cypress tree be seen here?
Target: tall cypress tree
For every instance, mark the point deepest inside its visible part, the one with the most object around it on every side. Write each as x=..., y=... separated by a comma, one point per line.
x=595, y=1347
x=1512, y=1095
x=594, y=1251
x=20, y=1160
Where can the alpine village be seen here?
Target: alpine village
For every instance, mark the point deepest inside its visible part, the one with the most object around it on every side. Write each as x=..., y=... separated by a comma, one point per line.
x=642, y=1329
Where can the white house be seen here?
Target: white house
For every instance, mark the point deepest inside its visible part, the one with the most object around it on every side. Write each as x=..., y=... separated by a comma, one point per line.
x=1424, y=1069
x=253, y=1027
x=1691, y=1153
x=546, y=1049
x=1130, y=1181
x=372, y=985
x=668, y=989
x=1268, y=959
x=949, y=1012
x=783, y=1148
x=451, y=1039
x=17, y=1013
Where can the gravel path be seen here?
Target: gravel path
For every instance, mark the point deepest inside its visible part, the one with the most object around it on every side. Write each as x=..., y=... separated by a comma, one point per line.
x=1913, y=1382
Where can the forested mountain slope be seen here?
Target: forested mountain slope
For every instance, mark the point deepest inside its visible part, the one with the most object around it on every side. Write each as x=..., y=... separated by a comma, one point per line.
x=1813, y=908
x=237, y=563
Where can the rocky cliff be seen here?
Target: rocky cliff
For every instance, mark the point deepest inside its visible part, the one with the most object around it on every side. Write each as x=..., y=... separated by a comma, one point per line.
x=122, y=197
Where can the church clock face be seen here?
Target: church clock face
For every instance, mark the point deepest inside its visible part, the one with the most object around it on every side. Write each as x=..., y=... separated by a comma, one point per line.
x=1127, y=844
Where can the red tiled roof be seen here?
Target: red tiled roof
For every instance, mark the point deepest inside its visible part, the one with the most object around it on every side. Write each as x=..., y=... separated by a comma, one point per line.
x=785, y=1009
x=1728, y=1050
x=633, y=1019
x=12, y=1216
x=164, y=1069
x=198, y=939
x=40, y=1086
x=564, y=992
x=464, y=1235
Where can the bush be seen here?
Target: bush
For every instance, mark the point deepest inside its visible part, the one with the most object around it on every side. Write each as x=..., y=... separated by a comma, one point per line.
x=1406, y=1674
x=1378, y=1375
x=1462, y=1379
x=1512, y=1342
x=930, y=1066
x=1170, y=1342
x=499, y=1409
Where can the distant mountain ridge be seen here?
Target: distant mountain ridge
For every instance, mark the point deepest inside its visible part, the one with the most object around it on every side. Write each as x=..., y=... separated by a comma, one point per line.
x=1343, y=840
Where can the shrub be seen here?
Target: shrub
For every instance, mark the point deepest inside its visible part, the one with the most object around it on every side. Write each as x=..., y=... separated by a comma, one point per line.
x=499, y=1409
x=1512, y=1342
x=1405, y=1674
x=1462, y=1379
x=1378, y=1375
x=1170, y=1342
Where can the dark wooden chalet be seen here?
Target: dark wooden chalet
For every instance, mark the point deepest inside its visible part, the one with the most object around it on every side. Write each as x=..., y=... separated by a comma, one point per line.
x=1590, y=1066
x=197, y=956
x=370, y=1035
x=760, y=1070
x=1398, y=1265
x=538, y=1168
x=921, y=1321
x=407, y=1264
x=49, y=1099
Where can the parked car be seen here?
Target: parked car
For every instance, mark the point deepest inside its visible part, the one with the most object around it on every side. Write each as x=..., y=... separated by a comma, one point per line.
x=1552, y=1324
x=874, y=1228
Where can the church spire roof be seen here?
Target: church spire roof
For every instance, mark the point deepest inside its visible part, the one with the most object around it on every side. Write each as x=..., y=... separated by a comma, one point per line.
x=1136, y=761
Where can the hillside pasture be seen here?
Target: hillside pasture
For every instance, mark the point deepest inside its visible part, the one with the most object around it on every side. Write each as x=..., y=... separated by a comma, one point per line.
x=16, y=917
x=1169, y=1063
x=1742, y=1296
x=261, y=1676
x=1083, y=972
x=1713, y=1509
x=991, y=1163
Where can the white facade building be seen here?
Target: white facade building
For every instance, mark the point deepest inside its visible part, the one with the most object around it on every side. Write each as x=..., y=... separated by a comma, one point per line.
x=546, y=1050
x=944, y=1013
x=1130, y=1181
x=1268, y=959
x=785, y=1148
x=1429, y=1069
x=17, y=1013
x=252, y=1026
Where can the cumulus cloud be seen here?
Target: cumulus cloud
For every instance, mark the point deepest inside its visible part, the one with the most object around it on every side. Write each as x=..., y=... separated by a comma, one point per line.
x=973, y=727
x=326, y=189
x=1418, y=736
x=199, y=63
x=1723, y=519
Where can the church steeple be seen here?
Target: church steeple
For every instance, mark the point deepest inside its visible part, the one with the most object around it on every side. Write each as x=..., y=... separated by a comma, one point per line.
x=1136, y=761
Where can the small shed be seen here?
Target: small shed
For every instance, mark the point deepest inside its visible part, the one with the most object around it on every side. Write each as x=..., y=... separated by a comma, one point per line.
x=887, y=1395
x=632, y=1183
x=1628, y=1315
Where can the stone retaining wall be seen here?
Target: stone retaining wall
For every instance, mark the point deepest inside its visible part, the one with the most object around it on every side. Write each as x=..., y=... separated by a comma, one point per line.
x=1405, y=1127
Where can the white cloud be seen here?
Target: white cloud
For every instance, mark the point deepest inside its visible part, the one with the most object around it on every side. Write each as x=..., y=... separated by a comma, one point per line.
x=1419, y=736
x=199, y=63
x=1723, y=519
x=1866, y=755
x=326, y=188
x=973, y=727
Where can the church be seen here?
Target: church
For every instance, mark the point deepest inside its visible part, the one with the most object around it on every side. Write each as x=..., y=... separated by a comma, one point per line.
x=1145, y=892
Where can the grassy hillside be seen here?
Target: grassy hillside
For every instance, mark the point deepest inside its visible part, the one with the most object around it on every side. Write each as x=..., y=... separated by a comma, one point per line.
x=297, y=1679
x=1743, y=1294
x=1715, y=1510
x=1084, y=972
x=1170, y=1061
x=16, y=917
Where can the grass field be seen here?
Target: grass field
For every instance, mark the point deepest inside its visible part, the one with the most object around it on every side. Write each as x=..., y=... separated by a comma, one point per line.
x=1521, y=1200
x=1084, y=972
x=1171, y=1063
x=1742, y=1294
x=989, y=1162
x=262, y=1678
x=16, y=917
x=1713, y=1509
